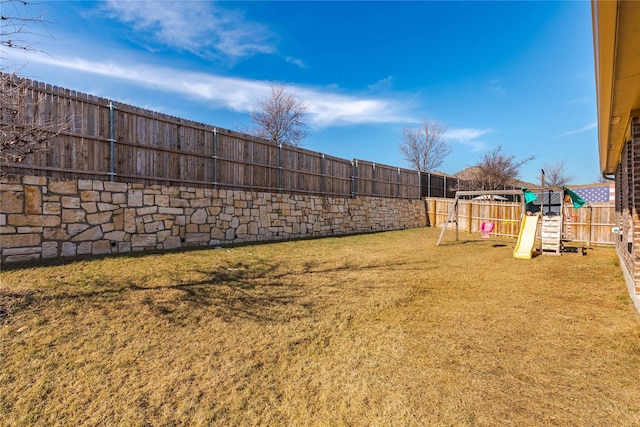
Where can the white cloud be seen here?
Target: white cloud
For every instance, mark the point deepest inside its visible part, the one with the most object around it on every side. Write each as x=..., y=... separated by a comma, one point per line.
x=198, y=27
x=586, y=128
x=468, y=136
x=325, y=108
x=496, y=86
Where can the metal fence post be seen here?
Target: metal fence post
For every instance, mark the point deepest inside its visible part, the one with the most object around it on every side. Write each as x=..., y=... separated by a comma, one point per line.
x=112, y=142
x=280, y=168
x=322, y=166
x=215, y=158
x=374, y=186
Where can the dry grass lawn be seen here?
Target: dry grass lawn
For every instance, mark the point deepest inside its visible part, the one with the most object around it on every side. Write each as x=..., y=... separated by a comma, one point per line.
x=380, y=329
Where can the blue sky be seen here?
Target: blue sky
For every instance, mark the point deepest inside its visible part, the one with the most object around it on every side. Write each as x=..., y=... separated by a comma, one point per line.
x=514, y=74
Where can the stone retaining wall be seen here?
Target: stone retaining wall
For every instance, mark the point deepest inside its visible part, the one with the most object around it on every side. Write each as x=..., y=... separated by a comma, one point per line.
x=42, y=218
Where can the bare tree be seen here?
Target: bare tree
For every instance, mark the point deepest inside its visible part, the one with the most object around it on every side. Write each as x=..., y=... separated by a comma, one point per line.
x=280, y=118
x=555, y=175
x=425, y=148
x=496, y=170
x=24, y=129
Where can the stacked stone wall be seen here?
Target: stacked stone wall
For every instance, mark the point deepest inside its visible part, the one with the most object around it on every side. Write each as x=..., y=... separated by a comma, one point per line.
x=45, y=218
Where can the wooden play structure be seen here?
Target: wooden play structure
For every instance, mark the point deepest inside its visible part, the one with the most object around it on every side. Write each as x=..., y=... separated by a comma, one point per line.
x=544, y=216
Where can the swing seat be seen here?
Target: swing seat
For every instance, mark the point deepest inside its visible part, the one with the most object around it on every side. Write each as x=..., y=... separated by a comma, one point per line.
x=486, y=228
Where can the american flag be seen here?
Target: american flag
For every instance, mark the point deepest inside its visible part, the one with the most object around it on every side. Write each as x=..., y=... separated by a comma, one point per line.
x=596, y=193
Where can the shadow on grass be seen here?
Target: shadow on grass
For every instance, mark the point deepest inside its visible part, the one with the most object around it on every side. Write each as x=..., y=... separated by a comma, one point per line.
x=261, y=291
x=233, y=291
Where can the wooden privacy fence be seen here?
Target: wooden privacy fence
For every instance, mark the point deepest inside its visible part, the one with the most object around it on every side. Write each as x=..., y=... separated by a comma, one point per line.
x=123, y=143
x=590, y=224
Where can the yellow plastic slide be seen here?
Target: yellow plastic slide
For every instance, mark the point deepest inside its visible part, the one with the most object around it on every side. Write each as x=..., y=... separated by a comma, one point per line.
x=527, y=237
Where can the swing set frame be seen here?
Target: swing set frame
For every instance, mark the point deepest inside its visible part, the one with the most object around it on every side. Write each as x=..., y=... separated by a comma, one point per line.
x=453, y=211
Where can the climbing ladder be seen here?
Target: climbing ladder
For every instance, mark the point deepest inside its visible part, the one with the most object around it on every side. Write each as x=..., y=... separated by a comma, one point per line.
x=551, y=234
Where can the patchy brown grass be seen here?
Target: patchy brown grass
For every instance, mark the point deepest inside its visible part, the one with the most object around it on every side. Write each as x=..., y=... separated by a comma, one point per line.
x=381, y=329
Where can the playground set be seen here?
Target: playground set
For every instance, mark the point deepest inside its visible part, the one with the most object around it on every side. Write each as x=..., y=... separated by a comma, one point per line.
x=544, y=216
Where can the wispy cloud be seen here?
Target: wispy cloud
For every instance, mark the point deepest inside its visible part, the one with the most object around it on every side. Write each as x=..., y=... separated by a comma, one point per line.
x=496, y=86
x=325, y=107
x=588, y=127
x=199, y=27
x=468, y=136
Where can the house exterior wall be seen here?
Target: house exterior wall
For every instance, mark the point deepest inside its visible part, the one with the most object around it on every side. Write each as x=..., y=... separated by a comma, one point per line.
x=628, y=212
x=46, y=218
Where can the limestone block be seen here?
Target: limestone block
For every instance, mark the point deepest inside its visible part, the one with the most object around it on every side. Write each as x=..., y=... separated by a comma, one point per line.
x=217, y=234
x=3, y=219
x=92, y=234
x=175, y=202
x=26, y=230
x=192, y=228
x=230, y=234
x=89, y=207
x=143, y=240
x=235, y=222
x=98, y=185
x=5, y=229
x=242, y=229
x=12, y=201
x=34, y=180
x=214, y=210
x=105, y=197
x=104, y=207
x=181, y=220
x=200, y=203
x=252, y=228
x=49, y=249
x=85, y=184
x=130, y=220
x=99, y=218
x=124, y=246
x=118, y=222
x=68, y=249
x=199, y=216
x=149, y=199
x=162, y=200
x=33, y=220
x=63, y=187
x=163, y=235
x=84, y=248
x=204, y=228
x=101, y=247
x=162, y=217
x=90, y=196
x=19, y=240
x=55, y=234
x=135, y=198
x=147, y=211
x=33, y=200
x=115, y=236
x=196, y=237
x=23, y=258
x=153, y=227
x=119, y=198
x=172, y=242
x=171, y=211
x=51, y=208
x=171, y=191
x=70, y=202
x=115, y=187
x=73, y=215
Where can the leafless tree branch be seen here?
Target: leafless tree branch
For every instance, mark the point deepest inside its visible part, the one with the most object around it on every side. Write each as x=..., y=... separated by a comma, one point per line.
x=425, y=148
x=280, y=118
